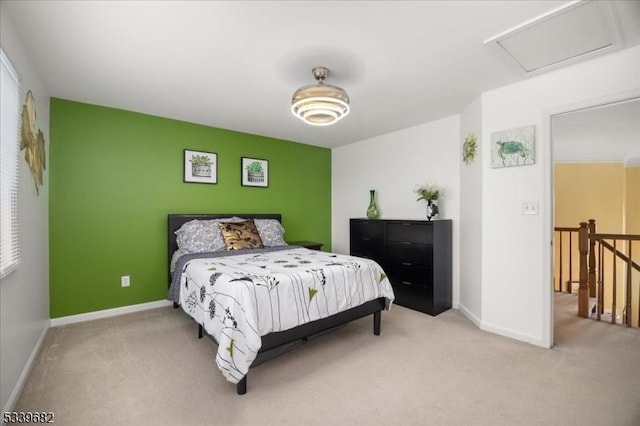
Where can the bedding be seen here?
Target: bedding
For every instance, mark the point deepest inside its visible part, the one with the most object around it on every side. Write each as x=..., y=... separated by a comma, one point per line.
x=240, y=296
x=199, y=236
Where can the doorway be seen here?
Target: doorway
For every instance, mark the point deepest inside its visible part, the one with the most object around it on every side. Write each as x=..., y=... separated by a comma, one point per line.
x=590, y=145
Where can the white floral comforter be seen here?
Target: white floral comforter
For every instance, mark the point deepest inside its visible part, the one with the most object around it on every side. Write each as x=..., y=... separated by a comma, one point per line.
x=240, y=298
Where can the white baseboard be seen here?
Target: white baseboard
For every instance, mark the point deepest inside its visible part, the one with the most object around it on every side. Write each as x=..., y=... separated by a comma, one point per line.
x=25, y=372
x=470, y=315
x=499, y=330
x=71, y=319
x=512, y=334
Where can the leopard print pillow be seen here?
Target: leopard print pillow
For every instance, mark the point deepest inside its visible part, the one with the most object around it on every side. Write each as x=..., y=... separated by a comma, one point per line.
x=240, y=235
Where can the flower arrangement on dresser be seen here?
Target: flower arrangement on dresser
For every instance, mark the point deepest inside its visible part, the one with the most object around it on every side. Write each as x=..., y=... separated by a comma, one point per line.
x=430, y=193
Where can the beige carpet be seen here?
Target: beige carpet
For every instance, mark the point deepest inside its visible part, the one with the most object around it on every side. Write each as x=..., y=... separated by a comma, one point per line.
x=149, y=368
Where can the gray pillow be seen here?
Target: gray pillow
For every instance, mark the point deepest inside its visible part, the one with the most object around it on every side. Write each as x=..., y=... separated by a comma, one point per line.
x=271, y=232
x=197, y=236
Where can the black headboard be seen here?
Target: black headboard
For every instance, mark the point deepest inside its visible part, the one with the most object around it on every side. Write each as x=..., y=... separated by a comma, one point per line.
x=177, y=220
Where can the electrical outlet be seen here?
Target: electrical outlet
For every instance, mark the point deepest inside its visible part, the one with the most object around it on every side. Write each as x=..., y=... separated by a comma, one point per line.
x=529, y=207
x=125, y=281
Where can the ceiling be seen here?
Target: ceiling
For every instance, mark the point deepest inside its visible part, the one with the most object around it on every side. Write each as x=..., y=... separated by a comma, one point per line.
x=235, y=65
x=606, y=133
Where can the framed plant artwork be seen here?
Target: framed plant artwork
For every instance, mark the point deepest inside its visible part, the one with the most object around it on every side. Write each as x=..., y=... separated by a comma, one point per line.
x=254, y=172
x=200, y=166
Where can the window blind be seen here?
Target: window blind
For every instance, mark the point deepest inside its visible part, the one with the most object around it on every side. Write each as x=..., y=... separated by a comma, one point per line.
x=9, y=161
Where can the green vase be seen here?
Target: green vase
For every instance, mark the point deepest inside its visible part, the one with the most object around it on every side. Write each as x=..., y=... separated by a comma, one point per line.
x=372, y=210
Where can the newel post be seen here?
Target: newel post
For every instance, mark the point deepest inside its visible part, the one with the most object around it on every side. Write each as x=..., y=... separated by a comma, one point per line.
x=592, y=258
x=583, y=290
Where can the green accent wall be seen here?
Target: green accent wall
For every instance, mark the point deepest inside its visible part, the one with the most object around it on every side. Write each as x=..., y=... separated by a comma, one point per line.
x=115, y=176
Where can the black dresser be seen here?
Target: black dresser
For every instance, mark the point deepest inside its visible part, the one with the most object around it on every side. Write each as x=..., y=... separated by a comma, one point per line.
x=415, y=254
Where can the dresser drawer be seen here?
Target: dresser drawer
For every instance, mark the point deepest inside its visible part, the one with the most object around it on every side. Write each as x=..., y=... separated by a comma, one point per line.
x=410, y=232
x=368, y=229
x=409, y=274
x=371, y=249
x=413, y=297
x=416, y=254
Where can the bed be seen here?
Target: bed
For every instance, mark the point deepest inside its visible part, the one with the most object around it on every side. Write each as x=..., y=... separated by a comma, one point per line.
x=253, y=302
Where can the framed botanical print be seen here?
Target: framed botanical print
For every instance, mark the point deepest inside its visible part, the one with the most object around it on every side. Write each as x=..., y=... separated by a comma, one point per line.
x=254, y=172
x=200, y=166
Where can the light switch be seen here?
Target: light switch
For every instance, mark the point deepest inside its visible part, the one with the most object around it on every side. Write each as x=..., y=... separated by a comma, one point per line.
x=529, y=207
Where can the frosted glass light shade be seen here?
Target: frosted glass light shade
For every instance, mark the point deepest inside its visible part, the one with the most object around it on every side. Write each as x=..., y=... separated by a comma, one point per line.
x=320, y=104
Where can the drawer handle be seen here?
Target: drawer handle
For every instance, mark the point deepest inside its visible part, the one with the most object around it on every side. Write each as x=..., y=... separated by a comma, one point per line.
x=405, y=242
x=407, y=283
x=366, y=239
x=407, y=263
x=406, y=224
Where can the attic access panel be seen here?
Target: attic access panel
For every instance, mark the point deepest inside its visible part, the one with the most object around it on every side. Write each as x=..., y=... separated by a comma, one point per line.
x=568, y=34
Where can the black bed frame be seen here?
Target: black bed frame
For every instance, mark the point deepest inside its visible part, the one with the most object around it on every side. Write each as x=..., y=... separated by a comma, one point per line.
x=273, y=341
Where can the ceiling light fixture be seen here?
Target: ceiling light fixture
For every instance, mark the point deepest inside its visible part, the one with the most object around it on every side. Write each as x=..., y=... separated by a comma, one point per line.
x=320, y=104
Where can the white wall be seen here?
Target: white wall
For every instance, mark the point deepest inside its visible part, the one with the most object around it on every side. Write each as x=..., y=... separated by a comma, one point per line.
x=502, y=259
x=393, y=164
x=24, y=294
x=471, y=217
x=516, y=264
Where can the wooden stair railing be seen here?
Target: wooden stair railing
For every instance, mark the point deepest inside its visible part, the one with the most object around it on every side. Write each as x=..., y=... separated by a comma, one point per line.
x=592, y=259
x=572, y=233
x=630, y=267
x=583, y=290
x=592, y=276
